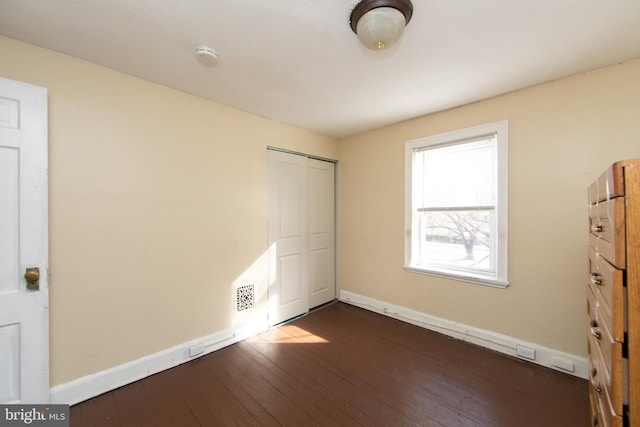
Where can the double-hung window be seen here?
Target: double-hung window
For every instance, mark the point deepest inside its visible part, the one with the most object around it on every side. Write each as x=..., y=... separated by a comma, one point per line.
x=456, y=204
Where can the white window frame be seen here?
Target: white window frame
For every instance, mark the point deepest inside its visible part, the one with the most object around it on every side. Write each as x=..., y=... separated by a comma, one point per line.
x=501, y=129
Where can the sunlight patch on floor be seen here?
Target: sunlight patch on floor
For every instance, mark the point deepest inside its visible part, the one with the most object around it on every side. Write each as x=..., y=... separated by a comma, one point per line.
x=290, y=334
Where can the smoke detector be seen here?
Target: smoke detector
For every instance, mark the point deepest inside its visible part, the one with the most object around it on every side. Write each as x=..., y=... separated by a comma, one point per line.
x=207, y=56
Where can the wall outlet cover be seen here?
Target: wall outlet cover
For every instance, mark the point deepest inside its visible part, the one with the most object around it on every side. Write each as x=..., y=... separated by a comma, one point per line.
x=526, y=352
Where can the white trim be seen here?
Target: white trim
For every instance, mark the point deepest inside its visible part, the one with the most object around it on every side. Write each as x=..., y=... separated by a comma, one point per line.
x=551, y=358
x=501, y=129
x=463, y=276
x=298, y=153
x=101, y=382
x=93, y=385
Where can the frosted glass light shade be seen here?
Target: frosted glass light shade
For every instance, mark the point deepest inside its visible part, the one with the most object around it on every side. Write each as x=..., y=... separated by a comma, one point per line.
x=381, y=27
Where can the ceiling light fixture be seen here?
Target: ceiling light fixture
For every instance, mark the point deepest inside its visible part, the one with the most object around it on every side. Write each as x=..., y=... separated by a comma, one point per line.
x=380, y=23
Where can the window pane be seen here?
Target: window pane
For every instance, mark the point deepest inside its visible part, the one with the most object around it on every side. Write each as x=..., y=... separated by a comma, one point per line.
x=460, y=175
x=456, y=204
x=458, y=239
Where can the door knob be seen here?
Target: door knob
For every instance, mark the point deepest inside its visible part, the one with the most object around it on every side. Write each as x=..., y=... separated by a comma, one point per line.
x=32, y=276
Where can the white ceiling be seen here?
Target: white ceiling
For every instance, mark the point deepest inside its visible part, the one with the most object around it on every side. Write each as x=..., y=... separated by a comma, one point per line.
x=297, y=61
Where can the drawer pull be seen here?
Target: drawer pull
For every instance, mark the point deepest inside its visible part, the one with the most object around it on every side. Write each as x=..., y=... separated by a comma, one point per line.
x=596, y=279
x=596, y=387
x=595, y=331
x=597, y=228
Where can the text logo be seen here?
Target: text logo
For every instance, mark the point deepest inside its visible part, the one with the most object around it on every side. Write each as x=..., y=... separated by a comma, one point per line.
x=34, y=415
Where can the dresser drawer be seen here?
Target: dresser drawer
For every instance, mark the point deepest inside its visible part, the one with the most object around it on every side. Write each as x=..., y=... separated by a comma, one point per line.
x=609, y=185
x=594, y=409
x=605, y=357
x=606, y=225
x=602, y=413
x=606, y=282
x=600, y=405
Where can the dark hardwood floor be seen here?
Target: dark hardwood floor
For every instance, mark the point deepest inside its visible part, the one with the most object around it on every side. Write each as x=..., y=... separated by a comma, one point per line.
x=341, y=365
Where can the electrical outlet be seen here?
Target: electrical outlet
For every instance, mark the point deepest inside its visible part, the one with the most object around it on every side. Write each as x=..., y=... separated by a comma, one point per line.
x=526, y=352
x=195, y=350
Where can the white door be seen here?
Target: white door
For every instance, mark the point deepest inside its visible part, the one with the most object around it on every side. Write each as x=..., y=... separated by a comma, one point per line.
x=287, y=234
x=321, y=202
x=301, y=234
x=24, y=321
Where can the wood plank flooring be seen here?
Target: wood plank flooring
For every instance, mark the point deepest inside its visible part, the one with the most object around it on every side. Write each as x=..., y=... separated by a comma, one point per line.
x=341, y=365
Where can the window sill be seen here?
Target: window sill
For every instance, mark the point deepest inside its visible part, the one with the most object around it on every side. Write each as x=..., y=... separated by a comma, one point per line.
x=462, y=277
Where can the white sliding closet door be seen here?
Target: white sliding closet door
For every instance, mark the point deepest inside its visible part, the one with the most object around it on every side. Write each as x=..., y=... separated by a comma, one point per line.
x=301, y=233
x=322, y=254
x=287, y=234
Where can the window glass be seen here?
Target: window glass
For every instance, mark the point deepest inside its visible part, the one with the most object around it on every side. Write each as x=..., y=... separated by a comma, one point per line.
x=456, y=204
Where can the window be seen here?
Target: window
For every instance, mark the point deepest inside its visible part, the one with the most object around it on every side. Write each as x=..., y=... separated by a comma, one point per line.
x=456, y=204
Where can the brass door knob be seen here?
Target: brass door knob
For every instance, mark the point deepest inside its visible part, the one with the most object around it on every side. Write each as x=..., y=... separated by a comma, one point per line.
x=32, y=275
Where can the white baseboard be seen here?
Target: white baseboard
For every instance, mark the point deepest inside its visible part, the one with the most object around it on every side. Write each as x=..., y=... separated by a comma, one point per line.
x=101, y=382
x=554, y=359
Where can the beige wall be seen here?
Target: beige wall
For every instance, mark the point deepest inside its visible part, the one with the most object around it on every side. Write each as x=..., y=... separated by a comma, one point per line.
x=157, y=205
x=562, y=136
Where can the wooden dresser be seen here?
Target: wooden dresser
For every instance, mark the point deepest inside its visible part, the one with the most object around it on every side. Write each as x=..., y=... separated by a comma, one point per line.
x=613, y=296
